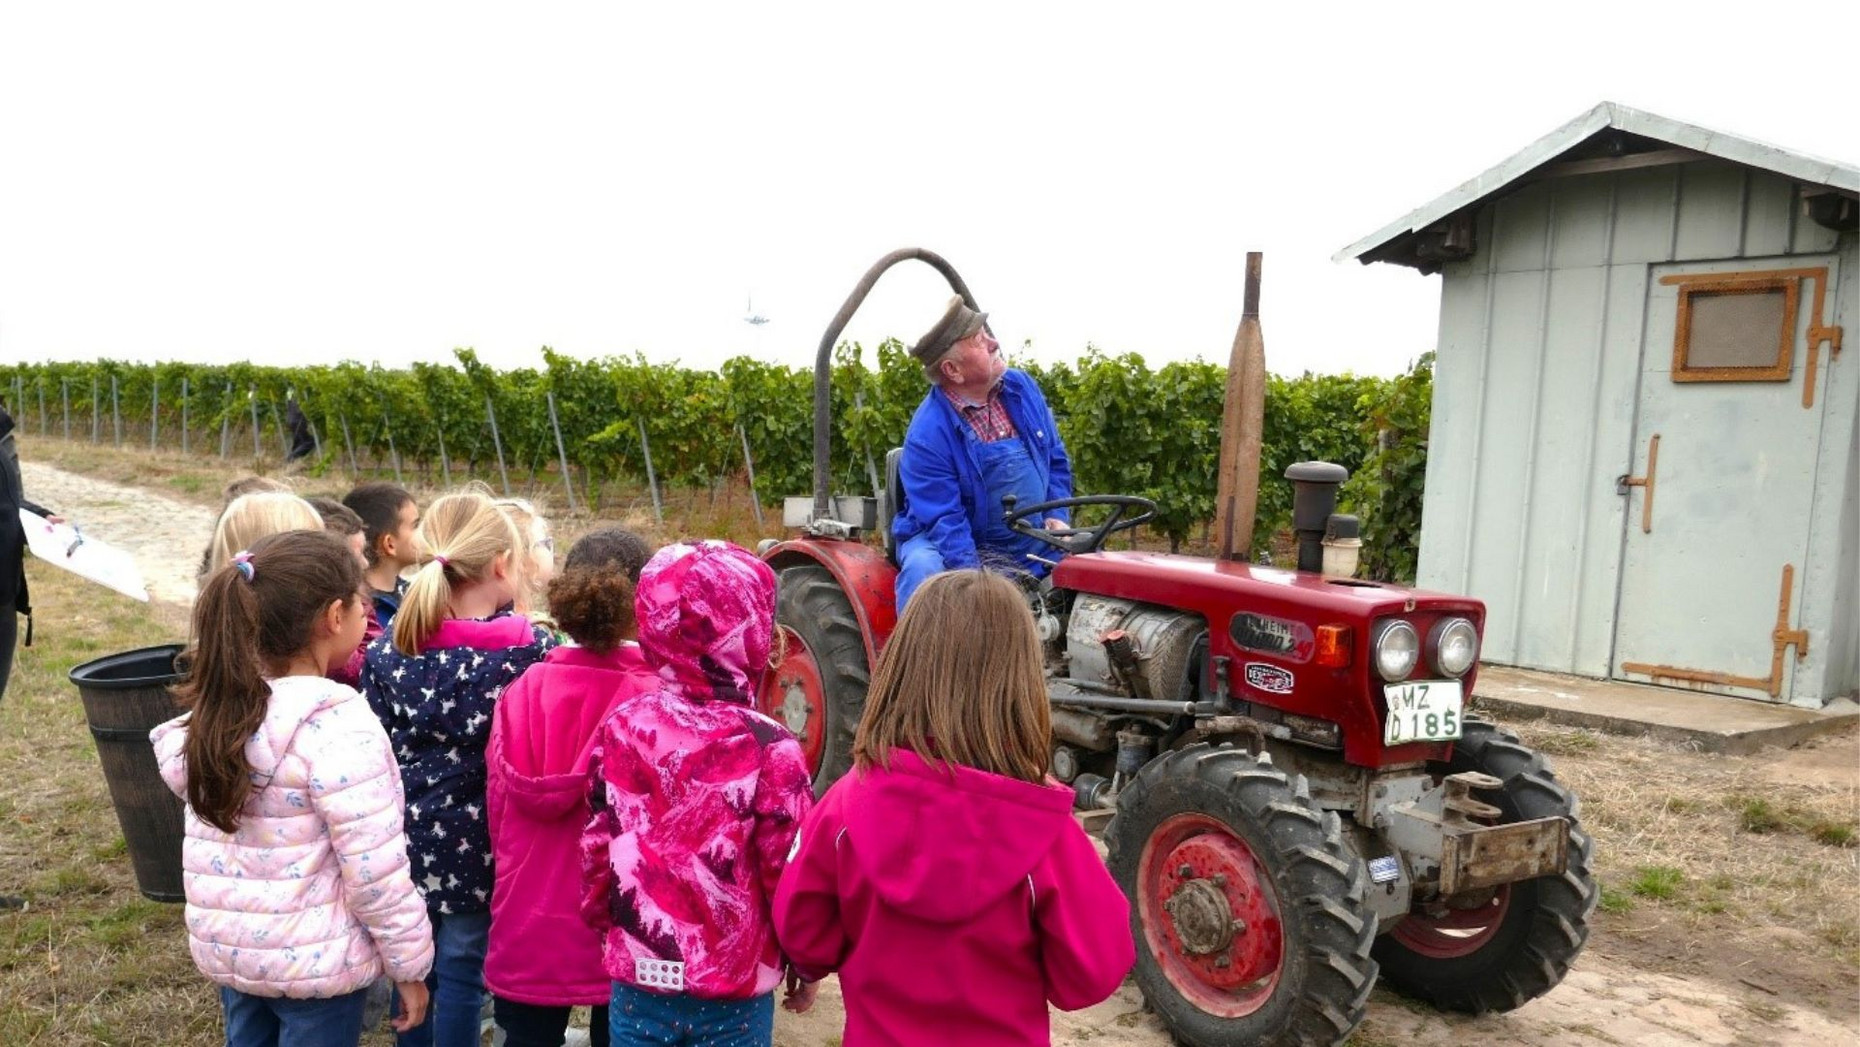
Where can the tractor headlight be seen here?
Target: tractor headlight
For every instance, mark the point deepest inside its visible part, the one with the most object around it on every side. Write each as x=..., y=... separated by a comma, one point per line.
x=1397, y=649
x=1455, y=646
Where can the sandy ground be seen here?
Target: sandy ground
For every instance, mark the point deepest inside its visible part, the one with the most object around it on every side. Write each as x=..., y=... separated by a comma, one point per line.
x=164, y=535
x=1610, y=998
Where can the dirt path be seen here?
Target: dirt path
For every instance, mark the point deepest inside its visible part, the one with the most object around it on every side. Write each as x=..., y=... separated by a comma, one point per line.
x=1610, y=998
x=164, y=535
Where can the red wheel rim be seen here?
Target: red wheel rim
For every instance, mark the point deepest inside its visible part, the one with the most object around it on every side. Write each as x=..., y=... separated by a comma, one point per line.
x=793, y=695
x=1198, y=859
x=1456, y=932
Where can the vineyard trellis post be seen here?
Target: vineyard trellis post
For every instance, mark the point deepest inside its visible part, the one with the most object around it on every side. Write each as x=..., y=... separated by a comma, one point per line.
x=95, y=417
x=568, y=480
x=303, y=405
x=64, y=394
x=44, y=426
x=116, y=412
x=251, y=399
x=349, y=444
x=183, y=414
x=226, y=422
x=284, y=436
x=652, y=481
x=445, y=461
x=497, y=442
x=387, y=426
x=154, y=409
x=749, y=466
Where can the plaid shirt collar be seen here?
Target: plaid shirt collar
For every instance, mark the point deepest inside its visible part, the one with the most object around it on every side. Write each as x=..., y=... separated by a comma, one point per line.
x=989, y=419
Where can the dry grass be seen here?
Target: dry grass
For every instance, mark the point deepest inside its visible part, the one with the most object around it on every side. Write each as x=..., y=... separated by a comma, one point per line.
x=1713, y=846
x=91, y=961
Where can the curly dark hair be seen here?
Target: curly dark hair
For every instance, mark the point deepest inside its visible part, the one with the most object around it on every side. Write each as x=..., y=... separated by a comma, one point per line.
x=592, y=598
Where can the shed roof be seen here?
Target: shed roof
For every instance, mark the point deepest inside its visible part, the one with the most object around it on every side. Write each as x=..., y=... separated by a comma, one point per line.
x=1609, y=136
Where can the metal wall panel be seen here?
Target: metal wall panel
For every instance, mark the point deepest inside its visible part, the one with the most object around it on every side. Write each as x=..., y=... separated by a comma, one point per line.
x=1561, y=479
x=1514, y=354
x=1646, y=209
x=1766, y=215
x=1711, y=212
x=1453, y=432
x=1520, y=226
x=1592, y=629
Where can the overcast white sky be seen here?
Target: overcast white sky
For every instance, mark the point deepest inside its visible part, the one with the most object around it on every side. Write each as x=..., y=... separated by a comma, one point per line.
x=385, y=181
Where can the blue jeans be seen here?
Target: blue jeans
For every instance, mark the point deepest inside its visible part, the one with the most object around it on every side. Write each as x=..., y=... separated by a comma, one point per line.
x=274, y=1021
x=636, y=1016
x=917, y=561
x=457, y=983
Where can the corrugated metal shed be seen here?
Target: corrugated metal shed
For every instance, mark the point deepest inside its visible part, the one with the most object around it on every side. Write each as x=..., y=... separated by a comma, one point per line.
x=1566, y=269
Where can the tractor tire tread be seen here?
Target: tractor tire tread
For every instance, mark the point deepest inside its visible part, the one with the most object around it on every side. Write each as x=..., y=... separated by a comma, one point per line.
x=1556, y=929
x=1321, y=885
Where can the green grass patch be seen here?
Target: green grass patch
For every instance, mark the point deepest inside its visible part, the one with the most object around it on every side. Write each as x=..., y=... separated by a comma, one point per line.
x=1658, y=882
x=1615, y=901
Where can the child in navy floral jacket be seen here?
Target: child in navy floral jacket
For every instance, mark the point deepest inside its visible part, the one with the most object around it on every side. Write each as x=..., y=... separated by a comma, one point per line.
x=434, y=680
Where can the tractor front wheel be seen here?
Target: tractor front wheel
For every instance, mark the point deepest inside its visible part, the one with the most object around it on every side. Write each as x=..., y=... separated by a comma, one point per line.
x=1497, y=951
x=1247, y=906
x=818, y=688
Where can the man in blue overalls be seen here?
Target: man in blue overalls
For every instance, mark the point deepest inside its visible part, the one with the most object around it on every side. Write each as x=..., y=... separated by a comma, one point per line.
x=983, y=431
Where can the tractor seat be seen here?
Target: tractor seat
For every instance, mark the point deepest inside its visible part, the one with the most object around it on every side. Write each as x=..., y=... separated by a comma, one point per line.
x=890, y=503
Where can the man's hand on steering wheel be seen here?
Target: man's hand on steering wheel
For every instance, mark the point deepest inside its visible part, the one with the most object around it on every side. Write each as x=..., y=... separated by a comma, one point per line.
x=1074, y=540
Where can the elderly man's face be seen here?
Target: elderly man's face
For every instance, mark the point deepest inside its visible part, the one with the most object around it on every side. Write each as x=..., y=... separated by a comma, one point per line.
x=978, y=359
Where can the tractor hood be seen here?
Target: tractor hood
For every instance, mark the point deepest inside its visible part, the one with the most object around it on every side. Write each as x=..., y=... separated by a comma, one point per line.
x=1262, y=627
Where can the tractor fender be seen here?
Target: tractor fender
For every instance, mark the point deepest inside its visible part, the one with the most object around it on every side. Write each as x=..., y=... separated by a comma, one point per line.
x=863, y=573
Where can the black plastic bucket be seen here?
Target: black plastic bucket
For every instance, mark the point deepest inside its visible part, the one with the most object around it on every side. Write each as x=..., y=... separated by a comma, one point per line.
x=125, y=697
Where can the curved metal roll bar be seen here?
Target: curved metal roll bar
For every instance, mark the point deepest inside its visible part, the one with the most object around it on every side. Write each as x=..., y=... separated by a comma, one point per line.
x=823, y=363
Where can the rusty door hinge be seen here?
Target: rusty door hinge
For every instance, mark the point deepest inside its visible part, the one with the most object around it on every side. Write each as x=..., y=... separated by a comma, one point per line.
x=1781, y=638
x=1627, y=480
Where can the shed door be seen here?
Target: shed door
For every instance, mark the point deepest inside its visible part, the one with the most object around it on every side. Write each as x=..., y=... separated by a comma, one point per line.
x=1722, y=479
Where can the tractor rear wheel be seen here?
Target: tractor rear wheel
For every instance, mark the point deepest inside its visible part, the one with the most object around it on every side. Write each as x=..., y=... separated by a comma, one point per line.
x=1247, y=906
x=818, y=688
x=1517, y=944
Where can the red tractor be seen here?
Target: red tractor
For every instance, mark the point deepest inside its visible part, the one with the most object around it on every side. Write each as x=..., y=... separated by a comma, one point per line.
x=1299, y=802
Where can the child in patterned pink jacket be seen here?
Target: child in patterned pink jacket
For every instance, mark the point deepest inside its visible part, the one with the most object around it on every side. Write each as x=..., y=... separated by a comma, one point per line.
x=294, y=862
x=696, y=800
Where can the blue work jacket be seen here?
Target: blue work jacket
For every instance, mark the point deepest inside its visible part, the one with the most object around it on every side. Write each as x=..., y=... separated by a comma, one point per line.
x=942, y=477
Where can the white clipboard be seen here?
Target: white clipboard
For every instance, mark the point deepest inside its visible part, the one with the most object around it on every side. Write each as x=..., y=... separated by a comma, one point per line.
x=64, y=545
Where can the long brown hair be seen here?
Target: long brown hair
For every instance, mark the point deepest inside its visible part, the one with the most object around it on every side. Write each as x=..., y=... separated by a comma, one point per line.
x=245, y=629
x=960, y=681
x=461, y=535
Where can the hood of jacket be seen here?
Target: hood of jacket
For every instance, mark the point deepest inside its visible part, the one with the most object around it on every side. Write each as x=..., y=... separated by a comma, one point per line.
x=706, y=613
x=943, y=842
x=544, y=745
x=294, y=699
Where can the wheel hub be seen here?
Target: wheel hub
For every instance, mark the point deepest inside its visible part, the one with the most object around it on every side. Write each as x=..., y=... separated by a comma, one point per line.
x=1202, y=918
x=1216, y=927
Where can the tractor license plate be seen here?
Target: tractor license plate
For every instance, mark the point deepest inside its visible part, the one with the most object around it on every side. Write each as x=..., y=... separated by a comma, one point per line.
x=1422, y=711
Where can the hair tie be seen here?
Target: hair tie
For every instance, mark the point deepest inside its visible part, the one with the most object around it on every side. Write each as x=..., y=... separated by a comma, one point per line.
x=442, y=560
x=243, y=562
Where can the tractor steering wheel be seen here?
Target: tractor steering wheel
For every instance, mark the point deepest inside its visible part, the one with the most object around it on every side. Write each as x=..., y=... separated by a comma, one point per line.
x=1075, y=540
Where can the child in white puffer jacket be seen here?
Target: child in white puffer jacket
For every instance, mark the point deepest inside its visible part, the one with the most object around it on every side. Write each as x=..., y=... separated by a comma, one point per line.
x=294, y=862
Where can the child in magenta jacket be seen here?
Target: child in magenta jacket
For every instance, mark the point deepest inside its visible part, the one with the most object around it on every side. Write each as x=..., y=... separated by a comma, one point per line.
x=696, y=800
x=543, y=959
x=945, y=878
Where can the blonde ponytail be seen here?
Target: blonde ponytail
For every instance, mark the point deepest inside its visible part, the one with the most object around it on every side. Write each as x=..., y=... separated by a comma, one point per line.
x=461, y=535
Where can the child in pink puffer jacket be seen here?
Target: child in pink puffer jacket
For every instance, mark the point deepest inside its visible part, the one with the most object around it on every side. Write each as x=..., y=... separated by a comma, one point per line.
x=295, y=863
x=696, y=801
x=543, y=960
